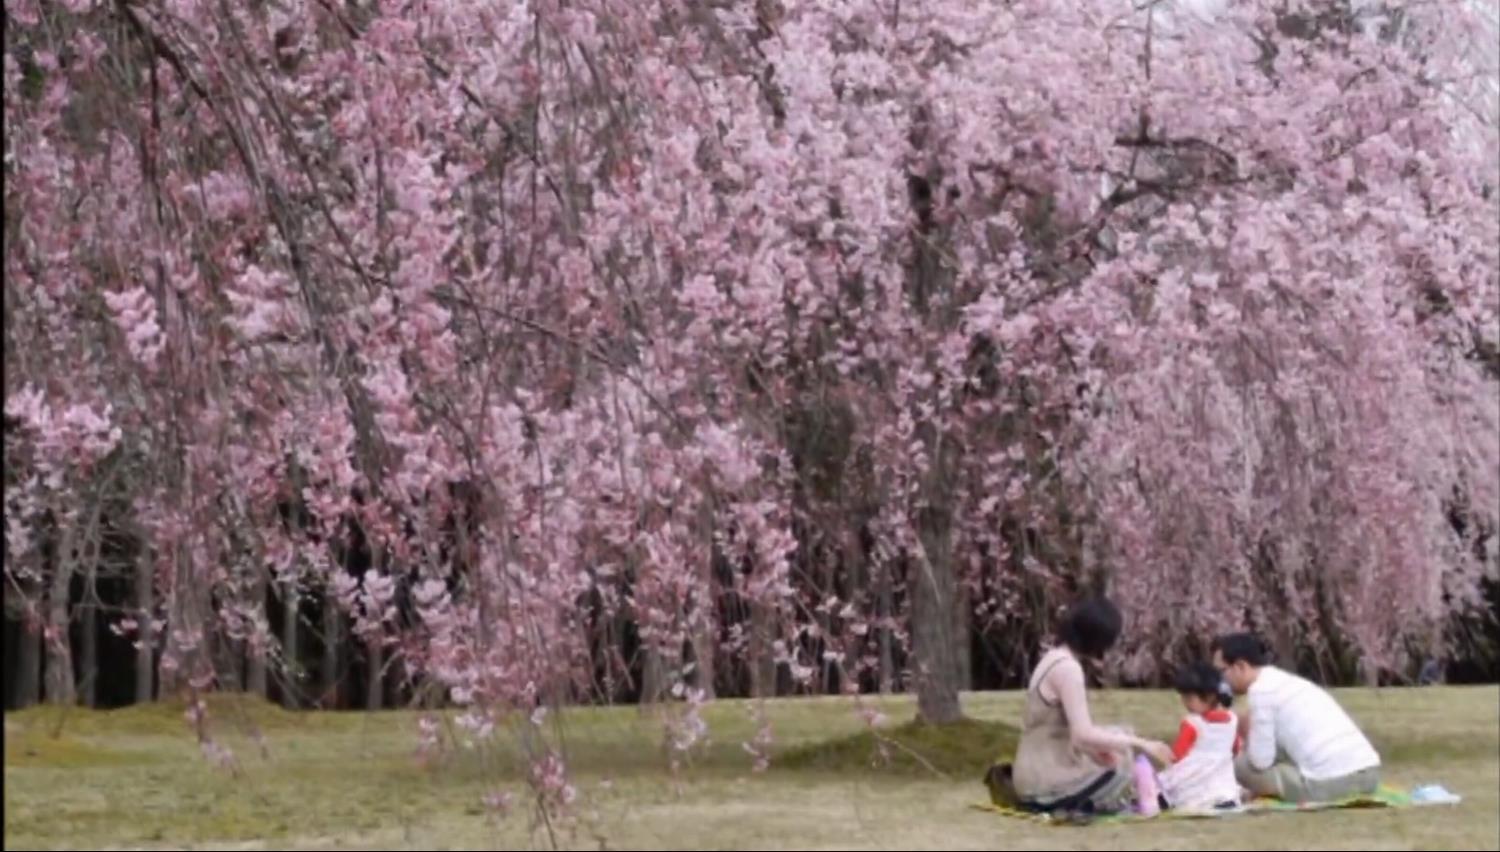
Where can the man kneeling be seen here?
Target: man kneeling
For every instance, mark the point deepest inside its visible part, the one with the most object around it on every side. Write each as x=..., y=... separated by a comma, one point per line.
x=1300, y=745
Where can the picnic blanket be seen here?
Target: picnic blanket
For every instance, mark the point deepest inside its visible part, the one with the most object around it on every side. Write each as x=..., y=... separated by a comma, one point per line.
x=1384, y=797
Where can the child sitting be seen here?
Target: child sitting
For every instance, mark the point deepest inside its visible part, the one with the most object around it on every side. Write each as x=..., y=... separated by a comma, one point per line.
x=1201, y=776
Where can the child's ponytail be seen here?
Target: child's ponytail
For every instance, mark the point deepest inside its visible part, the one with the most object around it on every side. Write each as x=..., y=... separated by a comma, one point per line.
x=1226, y=695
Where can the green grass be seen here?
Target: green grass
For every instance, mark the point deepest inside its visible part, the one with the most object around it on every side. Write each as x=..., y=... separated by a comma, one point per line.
x=134, y=779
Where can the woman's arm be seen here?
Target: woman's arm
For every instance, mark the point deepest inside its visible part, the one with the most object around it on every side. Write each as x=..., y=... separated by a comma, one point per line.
x=1066, y=680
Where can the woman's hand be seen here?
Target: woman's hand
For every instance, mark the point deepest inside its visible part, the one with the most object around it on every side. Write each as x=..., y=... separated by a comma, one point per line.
x=1158, y=751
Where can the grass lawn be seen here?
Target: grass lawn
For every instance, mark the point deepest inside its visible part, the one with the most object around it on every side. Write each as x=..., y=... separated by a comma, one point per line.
x=133, y=779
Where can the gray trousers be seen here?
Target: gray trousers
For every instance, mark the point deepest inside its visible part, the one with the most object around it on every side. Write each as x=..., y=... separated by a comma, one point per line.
x=1286, y=782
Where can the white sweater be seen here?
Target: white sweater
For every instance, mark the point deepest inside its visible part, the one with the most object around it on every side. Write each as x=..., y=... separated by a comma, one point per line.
x=1300, y=719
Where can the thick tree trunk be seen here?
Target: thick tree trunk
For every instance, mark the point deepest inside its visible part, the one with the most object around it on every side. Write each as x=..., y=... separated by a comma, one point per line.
x=228, y=656
x=256, y=681
x=762, y=654
x=169, y=679
x=375, y=697
x=934, y=599
x=61, y=688
x=830, y=681
x=857, y=573
x=289, y=650
x=886, y=608
x=88, y=654
x=933, y=648
x=400, y=685
x=932, y=582
x=704, y=645
x=705, y=635
x=29, y=673
x=653, y=676
x=332, y=640
x=963, y=638
x=145, y=605
x=182, y=621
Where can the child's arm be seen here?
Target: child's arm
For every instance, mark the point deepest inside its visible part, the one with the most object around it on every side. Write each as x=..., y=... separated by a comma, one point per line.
x=1186, y=736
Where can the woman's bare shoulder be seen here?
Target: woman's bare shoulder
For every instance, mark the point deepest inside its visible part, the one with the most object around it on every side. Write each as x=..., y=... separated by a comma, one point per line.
x=1058, y=668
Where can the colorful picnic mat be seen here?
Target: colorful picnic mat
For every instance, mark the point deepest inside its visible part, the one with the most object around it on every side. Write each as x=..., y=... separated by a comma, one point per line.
x=1384, y=797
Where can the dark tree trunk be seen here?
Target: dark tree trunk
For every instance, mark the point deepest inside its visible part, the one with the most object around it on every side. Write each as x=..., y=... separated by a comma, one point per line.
x=145, y=605
x=289, y=647
x=762, y=655
x=61, y=688
x=375, y=695
x=29, y=675
x=934, y=654
x=332, y=640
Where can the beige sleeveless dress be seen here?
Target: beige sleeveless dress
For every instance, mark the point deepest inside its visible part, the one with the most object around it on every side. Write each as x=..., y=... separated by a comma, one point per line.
x=1050, y=773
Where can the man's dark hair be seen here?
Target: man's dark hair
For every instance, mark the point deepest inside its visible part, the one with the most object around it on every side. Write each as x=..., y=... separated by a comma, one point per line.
x=1234, y=647
x=1091, y=627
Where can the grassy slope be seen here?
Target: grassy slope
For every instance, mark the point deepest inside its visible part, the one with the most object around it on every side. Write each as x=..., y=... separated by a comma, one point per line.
x=133, y=779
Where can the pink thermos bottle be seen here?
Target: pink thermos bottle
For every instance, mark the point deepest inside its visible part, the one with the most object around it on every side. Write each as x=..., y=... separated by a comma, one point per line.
x=1145, y=787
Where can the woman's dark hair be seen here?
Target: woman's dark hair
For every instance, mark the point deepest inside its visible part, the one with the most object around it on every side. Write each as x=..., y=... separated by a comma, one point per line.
x=1234, y=647
x=1091, y=627
x=1203, y=680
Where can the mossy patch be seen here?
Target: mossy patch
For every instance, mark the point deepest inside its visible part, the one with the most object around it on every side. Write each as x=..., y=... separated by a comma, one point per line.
x=228, y=711
x=964, y=749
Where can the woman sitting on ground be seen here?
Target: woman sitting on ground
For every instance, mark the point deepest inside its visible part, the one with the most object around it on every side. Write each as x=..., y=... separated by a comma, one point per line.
x=1065, y=762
